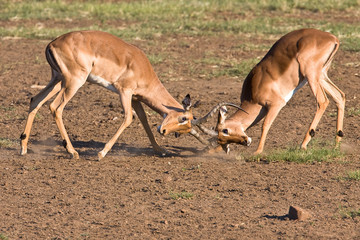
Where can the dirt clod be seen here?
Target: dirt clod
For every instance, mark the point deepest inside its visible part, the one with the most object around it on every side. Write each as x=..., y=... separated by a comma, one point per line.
x=297, y=213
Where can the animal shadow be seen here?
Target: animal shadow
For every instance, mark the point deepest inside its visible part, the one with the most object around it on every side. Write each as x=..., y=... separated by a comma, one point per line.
x=89, y=149
x=282, y=218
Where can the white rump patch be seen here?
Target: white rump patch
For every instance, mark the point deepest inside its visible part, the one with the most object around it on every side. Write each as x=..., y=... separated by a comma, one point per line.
x=102, y=82
x=291, y=93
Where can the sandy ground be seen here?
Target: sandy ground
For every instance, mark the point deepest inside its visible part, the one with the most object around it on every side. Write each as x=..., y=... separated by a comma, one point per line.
x=131, y=194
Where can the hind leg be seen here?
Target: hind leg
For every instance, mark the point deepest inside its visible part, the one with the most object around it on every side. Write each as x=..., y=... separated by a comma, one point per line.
x=339, y=98
x=58, y=105
x=322, y=103
x=36, y=102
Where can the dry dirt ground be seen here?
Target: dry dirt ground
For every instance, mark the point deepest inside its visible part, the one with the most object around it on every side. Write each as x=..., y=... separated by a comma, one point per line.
x=131, y=193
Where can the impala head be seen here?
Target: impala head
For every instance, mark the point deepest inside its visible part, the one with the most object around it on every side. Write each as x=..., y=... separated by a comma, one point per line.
x=230, y=131
x=226, y=131
x=178, y=120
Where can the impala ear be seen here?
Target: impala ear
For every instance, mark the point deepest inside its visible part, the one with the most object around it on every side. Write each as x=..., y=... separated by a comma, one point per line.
x=197, y=104
x=186, y=102
x=222, y=115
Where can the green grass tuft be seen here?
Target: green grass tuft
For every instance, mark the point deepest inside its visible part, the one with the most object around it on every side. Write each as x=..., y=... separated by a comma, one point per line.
x=316, y=152
x=3, y=237
x=353, y=112
x=5, y=143
x=349, y=212
x=353, y=175
x=222, y=67
x=239, y=69
x=182, y=195
x=155, y=59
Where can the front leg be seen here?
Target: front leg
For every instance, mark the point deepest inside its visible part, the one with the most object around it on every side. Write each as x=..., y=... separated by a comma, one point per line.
x=125, y=97
x=142, y=116
x=272, y=113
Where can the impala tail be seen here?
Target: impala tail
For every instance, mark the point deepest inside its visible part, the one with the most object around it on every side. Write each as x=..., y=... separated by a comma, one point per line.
x=51, y=59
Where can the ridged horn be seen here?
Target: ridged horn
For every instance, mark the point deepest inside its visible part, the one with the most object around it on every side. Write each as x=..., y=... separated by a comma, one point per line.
x=207, y=131
x=213, y=111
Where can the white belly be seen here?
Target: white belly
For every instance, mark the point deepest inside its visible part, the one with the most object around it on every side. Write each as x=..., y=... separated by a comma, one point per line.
x=291, y=93
x=102, y=82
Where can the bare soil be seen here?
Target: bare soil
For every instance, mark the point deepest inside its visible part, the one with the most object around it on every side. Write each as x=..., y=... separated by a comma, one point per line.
x=131, y=193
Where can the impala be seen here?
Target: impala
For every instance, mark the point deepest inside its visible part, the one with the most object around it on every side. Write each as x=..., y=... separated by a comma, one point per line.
x=299, y=57
x=106, y=60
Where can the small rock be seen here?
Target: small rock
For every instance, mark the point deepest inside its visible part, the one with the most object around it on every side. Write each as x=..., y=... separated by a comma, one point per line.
x=297, y=213
x=167, y=178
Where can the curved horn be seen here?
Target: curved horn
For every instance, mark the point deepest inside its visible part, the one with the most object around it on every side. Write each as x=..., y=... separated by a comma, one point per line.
x=209, y=142
x=207, y=131
x=198, y=137
x=213, y=111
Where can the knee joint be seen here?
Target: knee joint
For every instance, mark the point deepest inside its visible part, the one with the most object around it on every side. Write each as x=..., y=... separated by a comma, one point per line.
x=340, y=133
x=52, y=109
x=64, y=143
x=22, y=136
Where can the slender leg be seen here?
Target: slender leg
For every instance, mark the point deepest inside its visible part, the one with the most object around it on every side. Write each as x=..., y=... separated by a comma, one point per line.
x=142, y=116
x=339, y=98
x=273, y=111
x=36, y=102
x=322, y=103
x=57, y=108
x=125, y=97
x=261, y=115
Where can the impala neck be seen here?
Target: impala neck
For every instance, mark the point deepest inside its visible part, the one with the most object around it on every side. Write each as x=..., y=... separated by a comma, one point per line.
x=160, y=100
x=249, y=118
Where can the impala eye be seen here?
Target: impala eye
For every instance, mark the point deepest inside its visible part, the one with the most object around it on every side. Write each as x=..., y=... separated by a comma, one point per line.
x=183, y=119
x=225, y=131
